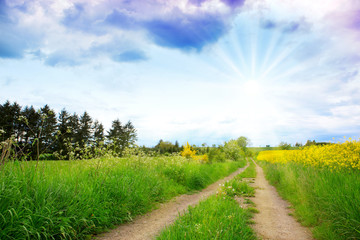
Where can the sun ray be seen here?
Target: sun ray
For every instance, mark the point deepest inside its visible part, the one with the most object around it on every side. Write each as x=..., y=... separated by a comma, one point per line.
x=230, y=63
x=280, y=58
x=276, y=39
x=254, y=46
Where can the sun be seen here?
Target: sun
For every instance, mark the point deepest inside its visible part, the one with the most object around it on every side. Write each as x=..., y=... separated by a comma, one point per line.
x=252, y=87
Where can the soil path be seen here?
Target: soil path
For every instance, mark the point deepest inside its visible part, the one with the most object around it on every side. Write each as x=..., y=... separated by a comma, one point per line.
x=151, y=224
x=273, y=220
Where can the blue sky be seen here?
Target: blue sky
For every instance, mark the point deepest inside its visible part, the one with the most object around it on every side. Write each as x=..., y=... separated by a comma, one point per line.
x=202, y=71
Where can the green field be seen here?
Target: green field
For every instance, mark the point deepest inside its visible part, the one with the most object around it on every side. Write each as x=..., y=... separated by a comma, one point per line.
x=74, y=199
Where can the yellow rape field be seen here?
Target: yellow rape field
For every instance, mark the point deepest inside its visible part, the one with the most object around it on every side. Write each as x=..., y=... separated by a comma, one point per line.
x=334, y=156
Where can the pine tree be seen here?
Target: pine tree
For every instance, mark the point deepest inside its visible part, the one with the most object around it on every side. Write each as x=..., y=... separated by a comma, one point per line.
x=130, y=135
x=74, y=127
x=177, y=147
x=64, y=132
x=49, y=127
x=84, y=130
x=31, y=129
x=9, y=122
x=115, y=135
x=98, y=133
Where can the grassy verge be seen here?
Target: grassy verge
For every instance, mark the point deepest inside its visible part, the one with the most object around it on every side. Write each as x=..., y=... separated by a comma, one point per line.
x=73, y=199
x=218, y=217
x=215, y=218
x=324, y=200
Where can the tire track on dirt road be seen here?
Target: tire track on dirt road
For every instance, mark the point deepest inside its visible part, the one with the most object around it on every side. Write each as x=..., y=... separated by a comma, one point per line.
x=273, y=220
x=149, y=225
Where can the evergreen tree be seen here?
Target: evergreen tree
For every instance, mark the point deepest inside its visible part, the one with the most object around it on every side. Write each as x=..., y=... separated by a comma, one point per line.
x=84, y=130
x=9, y=122
x=31, y=128
x=98, y=133
x=121, y=136
x=177, y=147
x=64, y=132
x=49, y=127
x=130, y=135
x=74, y=127
x=115, y=135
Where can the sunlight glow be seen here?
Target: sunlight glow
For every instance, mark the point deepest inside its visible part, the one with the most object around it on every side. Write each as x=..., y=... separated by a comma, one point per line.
x=252, y=88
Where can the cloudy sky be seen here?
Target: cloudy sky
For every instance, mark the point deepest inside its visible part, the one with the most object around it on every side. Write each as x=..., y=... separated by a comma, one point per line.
x=198, y=70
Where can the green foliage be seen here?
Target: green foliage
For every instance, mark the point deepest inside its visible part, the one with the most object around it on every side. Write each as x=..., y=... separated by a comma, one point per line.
x=9, y=122
x=216, y=155
x=121, y=136
x=72, y=199
x=35, y=132
x=284, y=146
x=167, y=147
x=324, y=200
x=233, y=151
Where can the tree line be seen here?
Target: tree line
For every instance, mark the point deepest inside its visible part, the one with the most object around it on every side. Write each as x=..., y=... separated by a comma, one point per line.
x=41, y=133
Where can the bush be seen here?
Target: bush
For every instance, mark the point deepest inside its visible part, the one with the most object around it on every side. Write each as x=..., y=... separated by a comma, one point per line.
x=216, y=155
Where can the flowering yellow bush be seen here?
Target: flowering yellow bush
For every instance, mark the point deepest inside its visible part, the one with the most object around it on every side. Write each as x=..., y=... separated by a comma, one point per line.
x=334, y=156
x=187, y=152
x=201, y=158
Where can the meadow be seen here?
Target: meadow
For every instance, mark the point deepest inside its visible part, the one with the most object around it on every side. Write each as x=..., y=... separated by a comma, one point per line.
x=323, y=185
x=75, y=199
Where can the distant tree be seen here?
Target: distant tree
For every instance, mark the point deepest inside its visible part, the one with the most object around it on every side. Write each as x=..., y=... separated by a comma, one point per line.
x=310, y=143
x=74, y=127
x=84, y=131
x=284, y=146
x=298, y=144
x=165, y=147
x=37, y=131
x=177, y=146
x=313, y=142
x=64, y=132
x=98, y=133
x=48, y=131
x=115, y=136
x=31, y=128
x=243, y=143
x=233, y=151
x=130, y=135
x=9, y=123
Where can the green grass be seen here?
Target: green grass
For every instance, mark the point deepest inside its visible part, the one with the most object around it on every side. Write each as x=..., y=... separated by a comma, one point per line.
x=219, y=216
x=74, y=199
x=215, y=218
x=250, y=172
x=328, y=202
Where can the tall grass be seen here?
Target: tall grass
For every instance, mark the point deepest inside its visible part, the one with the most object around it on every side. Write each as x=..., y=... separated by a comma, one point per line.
x=218, y=217
x=328, y=201
x=215, y=218
x=73, y=199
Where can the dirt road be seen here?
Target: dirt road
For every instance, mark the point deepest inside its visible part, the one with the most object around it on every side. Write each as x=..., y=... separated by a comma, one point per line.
x=151, y=224
x=273, y=220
